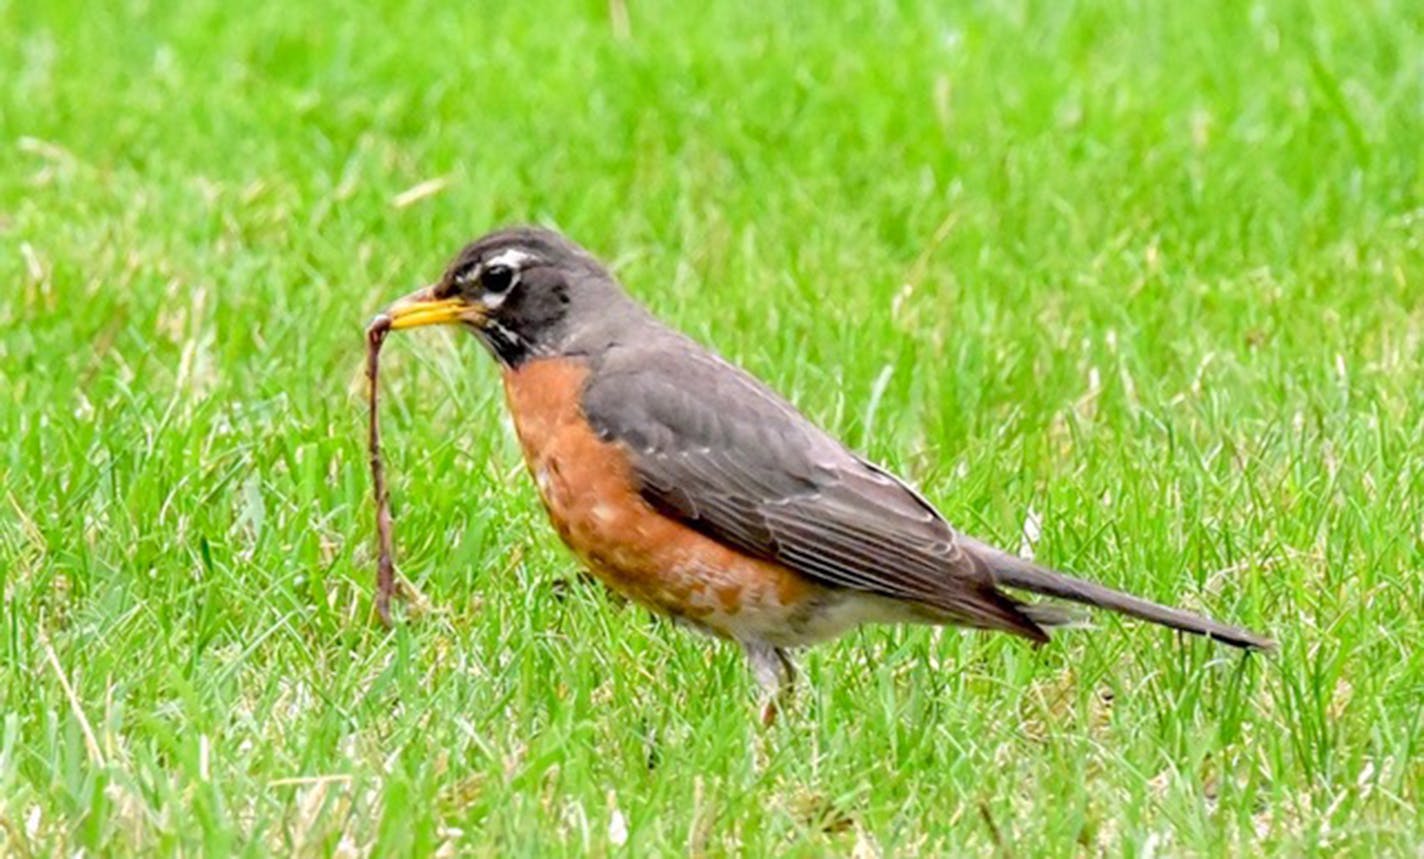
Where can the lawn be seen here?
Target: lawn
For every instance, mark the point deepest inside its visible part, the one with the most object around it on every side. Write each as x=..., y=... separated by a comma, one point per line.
x=1138, y=287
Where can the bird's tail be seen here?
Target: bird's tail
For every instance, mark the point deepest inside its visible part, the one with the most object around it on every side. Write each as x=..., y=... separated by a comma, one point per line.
x=1013, y=572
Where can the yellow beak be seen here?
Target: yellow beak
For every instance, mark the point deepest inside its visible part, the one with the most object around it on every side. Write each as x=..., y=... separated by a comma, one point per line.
x=423, y=308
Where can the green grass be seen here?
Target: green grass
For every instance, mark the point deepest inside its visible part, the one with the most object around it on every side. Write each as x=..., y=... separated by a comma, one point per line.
x=1148, y=272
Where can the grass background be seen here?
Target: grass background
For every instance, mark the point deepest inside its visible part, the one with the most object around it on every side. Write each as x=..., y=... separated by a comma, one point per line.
x=1148, y=275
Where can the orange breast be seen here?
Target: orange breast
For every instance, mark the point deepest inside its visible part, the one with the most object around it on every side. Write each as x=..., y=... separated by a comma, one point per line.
x=591, y=495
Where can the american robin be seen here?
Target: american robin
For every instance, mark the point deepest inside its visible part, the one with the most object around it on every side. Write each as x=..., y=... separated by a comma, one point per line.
x=692, y=488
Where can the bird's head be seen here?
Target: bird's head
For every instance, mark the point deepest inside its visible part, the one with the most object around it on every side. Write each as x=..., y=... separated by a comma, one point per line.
x=524, y=292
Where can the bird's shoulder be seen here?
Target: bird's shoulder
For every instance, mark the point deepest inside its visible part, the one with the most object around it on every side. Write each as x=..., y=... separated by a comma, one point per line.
x=671, y=394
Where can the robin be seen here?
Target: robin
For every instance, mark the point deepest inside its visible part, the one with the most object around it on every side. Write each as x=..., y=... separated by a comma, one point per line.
x=687, y=485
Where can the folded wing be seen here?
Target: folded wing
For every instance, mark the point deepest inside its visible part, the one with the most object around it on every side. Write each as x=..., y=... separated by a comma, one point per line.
x=716, y=449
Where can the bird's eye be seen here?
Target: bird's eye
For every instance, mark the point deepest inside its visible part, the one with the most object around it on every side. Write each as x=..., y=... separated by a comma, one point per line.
x=497, y=278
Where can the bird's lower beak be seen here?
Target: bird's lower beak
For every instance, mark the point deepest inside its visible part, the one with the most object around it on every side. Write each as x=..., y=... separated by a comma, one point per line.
x=423, y=308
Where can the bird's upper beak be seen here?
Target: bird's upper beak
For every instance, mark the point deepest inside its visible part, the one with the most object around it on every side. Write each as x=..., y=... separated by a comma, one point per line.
x=423, y=308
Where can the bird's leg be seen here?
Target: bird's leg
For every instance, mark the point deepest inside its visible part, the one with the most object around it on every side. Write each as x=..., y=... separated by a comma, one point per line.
x=776, y=675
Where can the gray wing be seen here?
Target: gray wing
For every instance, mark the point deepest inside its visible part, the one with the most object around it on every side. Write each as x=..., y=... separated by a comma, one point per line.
x=719, y=451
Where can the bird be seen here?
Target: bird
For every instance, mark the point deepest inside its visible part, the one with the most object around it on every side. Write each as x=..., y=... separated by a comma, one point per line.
x=690, y=487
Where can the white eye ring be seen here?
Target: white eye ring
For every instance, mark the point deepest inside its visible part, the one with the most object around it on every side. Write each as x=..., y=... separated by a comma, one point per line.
x=511, y=257
x=498, y=279
x=499, y=274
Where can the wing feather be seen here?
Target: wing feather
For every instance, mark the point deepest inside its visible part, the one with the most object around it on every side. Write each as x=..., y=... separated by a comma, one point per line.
x=715, y=448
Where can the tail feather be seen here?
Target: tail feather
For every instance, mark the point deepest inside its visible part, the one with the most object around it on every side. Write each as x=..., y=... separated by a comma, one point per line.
x=1012, y=572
